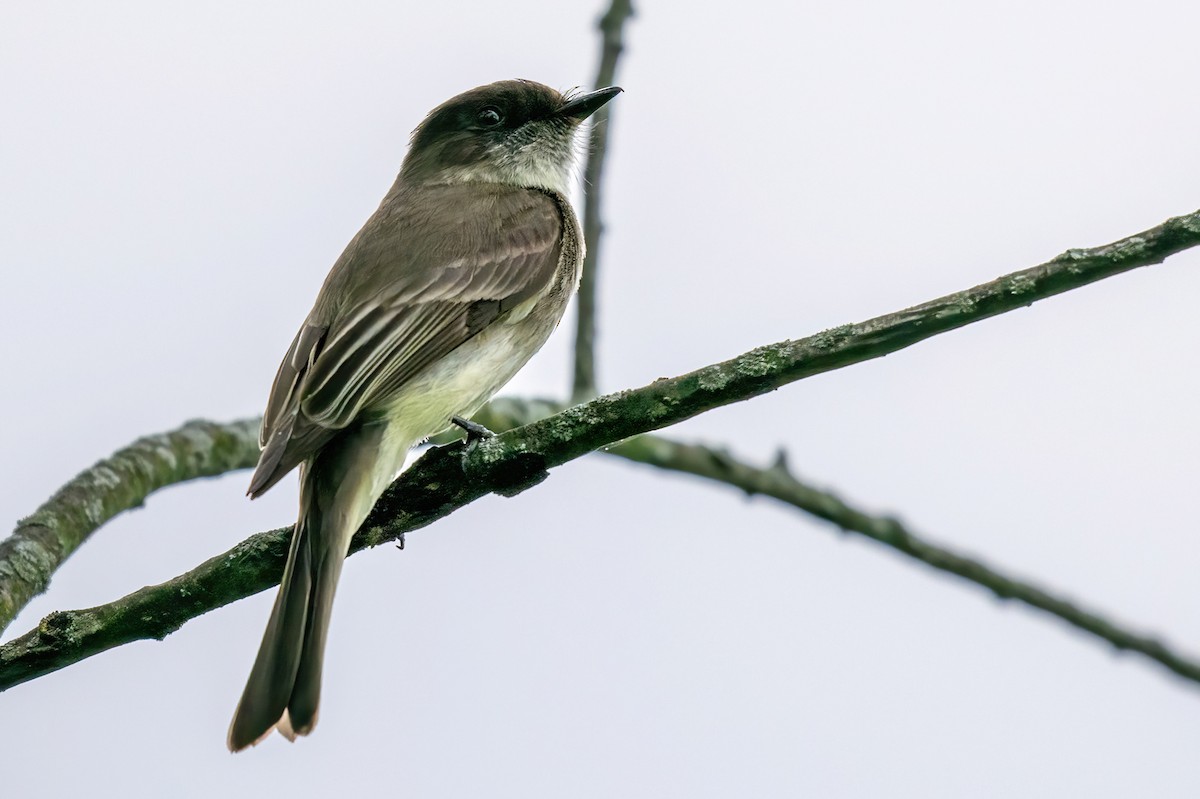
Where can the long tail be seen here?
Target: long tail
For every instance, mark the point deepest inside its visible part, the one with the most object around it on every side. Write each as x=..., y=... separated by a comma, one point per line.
x=337, y=490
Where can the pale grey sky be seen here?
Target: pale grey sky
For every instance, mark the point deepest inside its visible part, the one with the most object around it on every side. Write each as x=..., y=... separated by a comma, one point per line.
x=176, y=180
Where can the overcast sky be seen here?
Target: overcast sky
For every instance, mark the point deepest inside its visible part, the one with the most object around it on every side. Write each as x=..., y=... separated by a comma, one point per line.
x=175, y=181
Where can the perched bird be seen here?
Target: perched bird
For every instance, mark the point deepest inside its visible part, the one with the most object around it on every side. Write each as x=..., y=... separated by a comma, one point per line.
x=450, y=287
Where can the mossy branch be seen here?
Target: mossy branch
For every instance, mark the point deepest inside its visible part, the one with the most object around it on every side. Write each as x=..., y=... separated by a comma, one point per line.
x=445, y=480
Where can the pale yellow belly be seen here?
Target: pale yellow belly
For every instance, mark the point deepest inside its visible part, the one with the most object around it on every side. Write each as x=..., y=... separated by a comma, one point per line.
x=459, y=383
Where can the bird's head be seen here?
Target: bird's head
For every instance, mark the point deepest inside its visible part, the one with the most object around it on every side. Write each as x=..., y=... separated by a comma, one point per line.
x=515, y=132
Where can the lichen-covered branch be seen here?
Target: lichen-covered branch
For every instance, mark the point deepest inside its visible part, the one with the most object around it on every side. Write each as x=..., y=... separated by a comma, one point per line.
x=436, y=485
x=44, y=540
x=667, y=401
x=612, y=26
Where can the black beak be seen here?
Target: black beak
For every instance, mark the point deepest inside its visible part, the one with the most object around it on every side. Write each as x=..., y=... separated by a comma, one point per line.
x=581, y=107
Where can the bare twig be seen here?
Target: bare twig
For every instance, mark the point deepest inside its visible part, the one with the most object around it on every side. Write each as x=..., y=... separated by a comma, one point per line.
x=611, y=28
x=778, y=482
x=435, y=486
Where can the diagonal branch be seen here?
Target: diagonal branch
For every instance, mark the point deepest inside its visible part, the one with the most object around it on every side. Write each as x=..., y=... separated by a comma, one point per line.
x=779, y=483
x=435, y=486
x=611, y=26
x=43, y=541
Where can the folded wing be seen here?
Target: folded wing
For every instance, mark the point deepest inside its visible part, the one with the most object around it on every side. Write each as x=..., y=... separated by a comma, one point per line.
x=443, y=264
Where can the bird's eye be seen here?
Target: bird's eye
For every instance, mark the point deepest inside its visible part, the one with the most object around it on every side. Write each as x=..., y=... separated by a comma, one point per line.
x=489, y=117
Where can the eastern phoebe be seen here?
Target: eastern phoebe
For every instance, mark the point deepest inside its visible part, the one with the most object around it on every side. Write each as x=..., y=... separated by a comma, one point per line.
x=451, y=286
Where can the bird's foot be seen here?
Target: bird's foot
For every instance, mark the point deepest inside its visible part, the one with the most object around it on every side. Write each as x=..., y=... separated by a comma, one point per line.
x=475, y=433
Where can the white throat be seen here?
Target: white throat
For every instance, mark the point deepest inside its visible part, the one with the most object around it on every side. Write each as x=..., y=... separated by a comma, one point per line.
x=538, y=162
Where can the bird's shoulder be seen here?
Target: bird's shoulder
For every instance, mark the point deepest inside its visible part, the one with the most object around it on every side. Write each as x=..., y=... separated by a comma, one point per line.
x=425, y=242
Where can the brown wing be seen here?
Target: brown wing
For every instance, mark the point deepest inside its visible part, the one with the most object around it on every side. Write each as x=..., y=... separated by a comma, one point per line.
x=432, y=268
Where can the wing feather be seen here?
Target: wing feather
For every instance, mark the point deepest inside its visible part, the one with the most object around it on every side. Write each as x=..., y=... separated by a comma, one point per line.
x=433, y=267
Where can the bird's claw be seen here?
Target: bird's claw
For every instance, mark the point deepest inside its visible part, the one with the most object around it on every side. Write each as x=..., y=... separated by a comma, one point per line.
x=475, y=433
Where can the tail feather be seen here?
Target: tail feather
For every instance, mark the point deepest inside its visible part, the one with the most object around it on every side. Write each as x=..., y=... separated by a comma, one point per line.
x=326, y=569
x=337, y=490
x=274, y=672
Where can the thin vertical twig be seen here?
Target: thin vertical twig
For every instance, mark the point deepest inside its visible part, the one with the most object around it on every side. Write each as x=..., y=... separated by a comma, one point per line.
x=611, y=27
